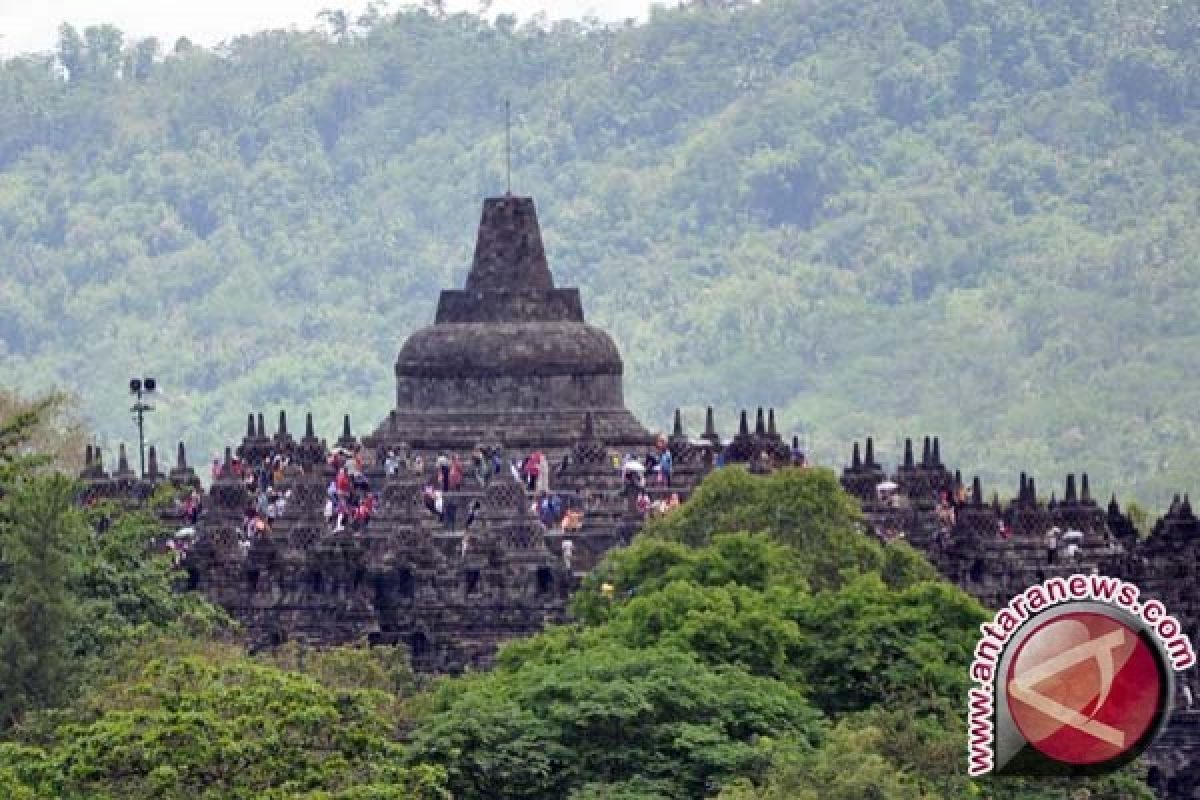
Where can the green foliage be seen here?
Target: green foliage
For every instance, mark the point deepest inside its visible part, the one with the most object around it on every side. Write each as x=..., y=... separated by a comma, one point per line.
x=1140, y=518
x=883, y=661
x=69, y=597
x=188, y=720
x=38, y=531
x=970, y=218
x=381, y=668
x=848, y=767
x=123, y=587
x=545, y=729
x=867, y=645
x=803, y=508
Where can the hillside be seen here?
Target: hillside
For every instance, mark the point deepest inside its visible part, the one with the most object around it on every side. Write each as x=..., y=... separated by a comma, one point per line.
x=964, y=217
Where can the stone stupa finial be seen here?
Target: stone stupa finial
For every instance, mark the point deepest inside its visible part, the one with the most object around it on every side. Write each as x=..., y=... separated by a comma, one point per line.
x=509, y=254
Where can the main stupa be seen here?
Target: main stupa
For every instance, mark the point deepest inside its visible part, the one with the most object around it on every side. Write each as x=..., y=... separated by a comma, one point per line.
x=509, y=358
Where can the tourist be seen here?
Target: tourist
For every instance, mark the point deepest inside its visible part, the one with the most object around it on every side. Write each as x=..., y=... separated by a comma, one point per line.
x=1051, y=542
x=418, y=464
x=339, y=517
x=1072, y=551
x=433, y=500
x=543, y=481
x=450, y=511
x=479, y=467
x=471, y=514
x=532, y=468
x=552, y=510
x=443, y=468
x=650, y=462
x=1188, y=699
x=568, y=550
x=456, y=474
x=193, y=506
x=363, y=512
x=390, y=464
x=262, y=473
x=665, y=465
x=358, y=478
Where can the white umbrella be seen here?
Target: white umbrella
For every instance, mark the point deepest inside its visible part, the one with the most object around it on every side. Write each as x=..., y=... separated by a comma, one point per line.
x=1073, y=535
x=636, y=466
x=186, y=533
x=887, y=486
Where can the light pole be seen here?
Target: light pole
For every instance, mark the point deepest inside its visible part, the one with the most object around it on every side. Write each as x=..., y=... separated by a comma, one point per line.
x=138, y=387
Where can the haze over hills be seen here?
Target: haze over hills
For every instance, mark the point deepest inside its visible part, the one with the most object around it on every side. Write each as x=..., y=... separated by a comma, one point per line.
x=969, y=218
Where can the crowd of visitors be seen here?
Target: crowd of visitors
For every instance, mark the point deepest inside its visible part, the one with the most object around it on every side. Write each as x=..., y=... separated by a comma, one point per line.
x=447, y=481
x=349, y=501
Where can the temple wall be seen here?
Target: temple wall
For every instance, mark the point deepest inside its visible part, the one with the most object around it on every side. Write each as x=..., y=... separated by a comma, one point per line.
x=460, y=305
x=509, y=392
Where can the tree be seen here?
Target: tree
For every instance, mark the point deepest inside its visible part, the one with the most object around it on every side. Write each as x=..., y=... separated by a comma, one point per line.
x=180, y=719
x=803, y=508
x=72, y=51
x=337, y=20
x=47, y=424
x=39, y=530
x=608, y=715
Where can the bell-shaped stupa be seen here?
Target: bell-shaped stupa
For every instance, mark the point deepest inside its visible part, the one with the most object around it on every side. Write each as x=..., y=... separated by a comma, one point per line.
x=509, y=357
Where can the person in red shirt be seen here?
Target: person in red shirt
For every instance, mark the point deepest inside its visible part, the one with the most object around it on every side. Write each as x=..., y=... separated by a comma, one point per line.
x=531, y=469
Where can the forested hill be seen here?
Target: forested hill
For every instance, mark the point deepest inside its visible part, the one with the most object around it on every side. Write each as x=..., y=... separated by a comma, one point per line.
x=976, y=218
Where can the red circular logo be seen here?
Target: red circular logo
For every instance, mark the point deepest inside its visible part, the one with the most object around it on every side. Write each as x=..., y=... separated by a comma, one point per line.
x=1084, y=688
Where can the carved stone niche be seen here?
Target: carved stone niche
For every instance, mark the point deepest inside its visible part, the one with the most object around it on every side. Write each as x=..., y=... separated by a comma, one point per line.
x=304, y=537
x=402, y=498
